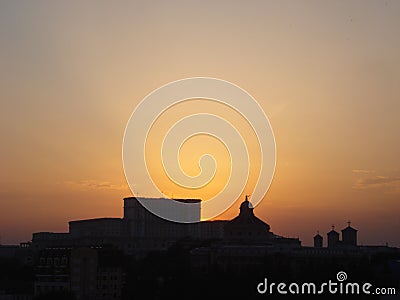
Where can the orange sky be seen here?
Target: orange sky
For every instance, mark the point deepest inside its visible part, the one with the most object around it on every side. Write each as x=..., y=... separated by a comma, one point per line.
x=326, y=74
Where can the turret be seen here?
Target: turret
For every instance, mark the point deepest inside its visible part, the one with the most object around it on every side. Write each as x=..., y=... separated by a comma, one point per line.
x=333, y=237
x=349, y=235
x=318, y=240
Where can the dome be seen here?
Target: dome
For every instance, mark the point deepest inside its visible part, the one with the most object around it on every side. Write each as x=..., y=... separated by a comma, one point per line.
x=246, y=206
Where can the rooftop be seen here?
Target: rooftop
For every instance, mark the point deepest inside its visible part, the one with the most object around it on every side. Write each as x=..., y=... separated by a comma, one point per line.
x=184, y=200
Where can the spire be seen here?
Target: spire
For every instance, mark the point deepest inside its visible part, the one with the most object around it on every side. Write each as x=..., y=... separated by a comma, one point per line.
x=348, y=223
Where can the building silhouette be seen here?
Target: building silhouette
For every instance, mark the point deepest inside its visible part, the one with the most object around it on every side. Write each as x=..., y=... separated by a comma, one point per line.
x=349, y=235
x=333, y=237
x=318, y=240
x=140, y=231
x=247, y=226
x=143, y=254
x=52, y=271
x=88, y=273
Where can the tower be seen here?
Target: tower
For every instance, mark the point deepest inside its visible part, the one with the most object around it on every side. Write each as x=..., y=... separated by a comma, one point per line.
x=349, y=235
x=318, y=239
x=333, y=237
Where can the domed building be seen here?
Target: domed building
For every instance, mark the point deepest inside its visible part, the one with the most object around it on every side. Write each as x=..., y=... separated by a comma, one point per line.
x=246, y=226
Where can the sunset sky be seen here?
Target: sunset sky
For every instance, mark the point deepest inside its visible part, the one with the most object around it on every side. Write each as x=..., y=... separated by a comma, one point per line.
x=327, y=75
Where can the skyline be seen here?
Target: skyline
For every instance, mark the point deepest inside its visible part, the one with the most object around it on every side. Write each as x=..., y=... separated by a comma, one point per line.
x=327, y=76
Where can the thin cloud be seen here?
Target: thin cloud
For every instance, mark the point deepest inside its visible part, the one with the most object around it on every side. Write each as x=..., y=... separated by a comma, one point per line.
x=362, y=171
x=95, y=185
x=387, y=183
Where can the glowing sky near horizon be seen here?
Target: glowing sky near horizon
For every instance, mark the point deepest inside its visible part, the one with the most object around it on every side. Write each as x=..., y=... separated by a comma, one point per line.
x=327, y=74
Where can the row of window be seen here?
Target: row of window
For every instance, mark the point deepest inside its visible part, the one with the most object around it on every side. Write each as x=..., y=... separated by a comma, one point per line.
x=105, y=278
x=47, y=288
x=56, y=260
x=104, y=287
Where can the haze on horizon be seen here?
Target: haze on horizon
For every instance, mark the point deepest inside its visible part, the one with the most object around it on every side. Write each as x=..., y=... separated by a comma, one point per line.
x=327, y=74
